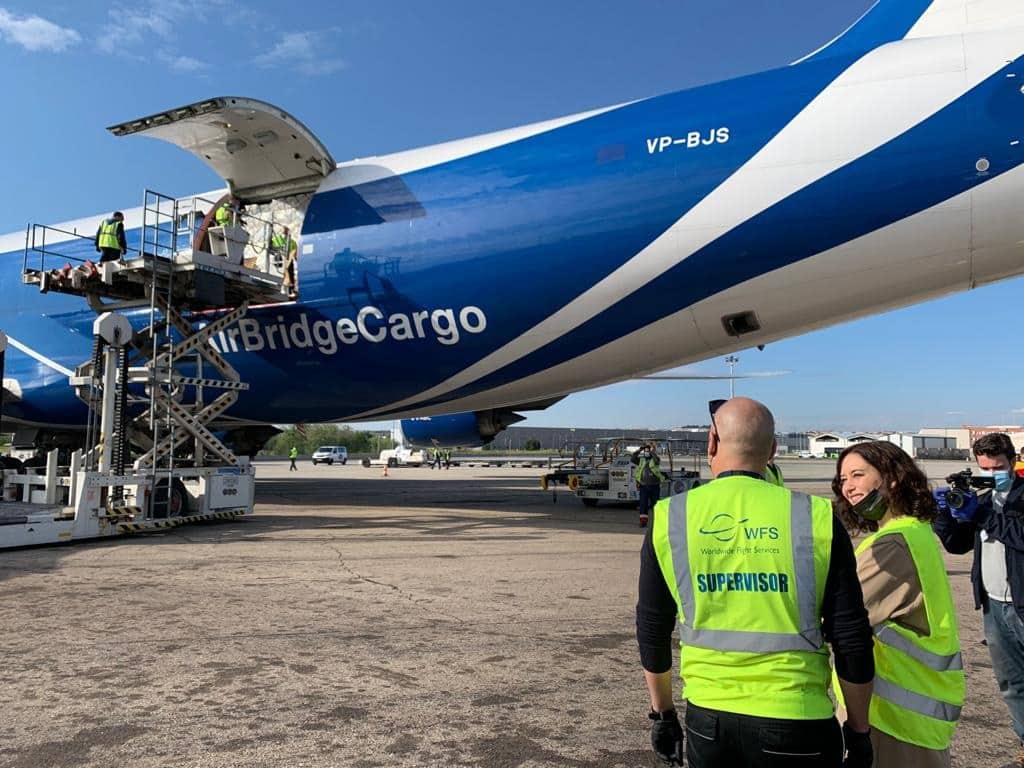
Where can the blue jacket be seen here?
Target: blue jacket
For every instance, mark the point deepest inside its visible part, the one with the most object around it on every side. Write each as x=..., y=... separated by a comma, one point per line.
x=958, y=539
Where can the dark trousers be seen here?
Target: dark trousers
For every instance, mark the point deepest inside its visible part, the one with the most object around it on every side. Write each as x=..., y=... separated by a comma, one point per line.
x=723, y=740
x=293, y=466
x=649, y=494
x=109, y=254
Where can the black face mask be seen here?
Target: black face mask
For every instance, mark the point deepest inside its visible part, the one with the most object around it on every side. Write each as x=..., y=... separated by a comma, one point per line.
x=872, y=507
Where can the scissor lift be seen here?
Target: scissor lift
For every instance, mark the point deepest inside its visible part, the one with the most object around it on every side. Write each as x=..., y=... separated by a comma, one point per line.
x=154, y=385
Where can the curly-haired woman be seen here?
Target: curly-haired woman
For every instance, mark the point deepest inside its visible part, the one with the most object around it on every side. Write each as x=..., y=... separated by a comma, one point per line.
x=919, y=678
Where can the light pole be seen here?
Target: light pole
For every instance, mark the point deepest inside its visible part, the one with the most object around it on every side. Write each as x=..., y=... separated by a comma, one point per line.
x=731, y=360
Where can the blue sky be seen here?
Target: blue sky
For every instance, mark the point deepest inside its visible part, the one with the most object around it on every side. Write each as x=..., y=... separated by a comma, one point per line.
x=381, y=77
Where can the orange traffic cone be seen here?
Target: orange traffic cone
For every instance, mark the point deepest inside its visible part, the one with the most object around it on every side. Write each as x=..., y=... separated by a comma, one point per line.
x=385, y=472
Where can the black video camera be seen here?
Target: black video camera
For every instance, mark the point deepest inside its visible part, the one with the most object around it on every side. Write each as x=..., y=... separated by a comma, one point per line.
x=961, y=483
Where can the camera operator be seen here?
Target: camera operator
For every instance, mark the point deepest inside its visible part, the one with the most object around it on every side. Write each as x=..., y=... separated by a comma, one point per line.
x=993, y=524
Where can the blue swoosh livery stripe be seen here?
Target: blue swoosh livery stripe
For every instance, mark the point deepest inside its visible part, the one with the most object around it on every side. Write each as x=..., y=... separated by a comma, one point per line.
x=909, y=174
x=885, y=22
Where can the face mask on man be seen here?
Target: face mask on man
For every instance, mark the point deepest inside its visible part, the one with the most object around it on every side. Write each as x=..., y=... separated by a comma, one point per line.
x=872, y=507
x=1003, y=478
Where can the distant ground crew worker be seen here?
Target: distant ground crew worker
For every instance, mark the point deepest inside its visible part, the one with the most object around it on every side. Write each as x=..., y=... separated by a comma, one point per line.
x=760, y=578
x=447, y=458
x=648, y=478
x=437, y=459
x=293, y=454
x=110, y=242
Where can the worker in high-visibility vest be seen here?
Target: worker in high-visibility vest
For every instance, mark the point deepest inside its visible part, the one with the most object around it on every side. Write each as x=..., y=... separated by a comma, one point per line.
x=919, y=682
x=110, y=241
x=226, y=213
x=285, y=249
x=293, y=454
x=760, y=578
x=649, y=477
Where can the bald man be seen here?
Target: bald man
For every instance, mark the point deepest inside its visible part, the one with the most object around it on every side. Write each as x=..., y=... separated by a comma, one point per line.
x=760, y=579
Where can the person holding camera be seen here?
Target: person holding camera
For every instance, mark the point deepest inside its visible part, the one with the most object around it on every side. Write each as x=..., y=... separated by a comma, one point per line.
x=919, y=680
x=649, y=477
x=762, y=580
x=992, y=524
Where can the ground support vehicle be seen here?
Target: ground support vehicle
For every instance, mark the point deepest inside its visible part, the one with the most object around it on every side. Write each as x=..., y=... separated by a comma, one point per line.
x=397, y=457
x=610, y=476
x=328, y=454
x=155, y=389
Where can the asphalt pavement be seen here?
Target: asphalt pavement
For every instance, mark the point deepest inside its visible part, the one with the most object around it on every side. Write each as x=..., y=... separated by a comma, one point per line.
x=430, y=618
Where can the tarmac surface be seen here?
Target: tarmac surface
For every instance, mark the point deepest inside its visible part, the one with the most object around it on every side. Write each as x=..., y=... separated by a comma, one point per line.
x=432, y=618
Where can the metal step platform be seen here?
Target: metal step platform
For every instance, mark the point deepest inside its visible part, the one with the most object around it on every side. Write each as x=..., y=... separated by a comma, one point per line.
x=155, y=386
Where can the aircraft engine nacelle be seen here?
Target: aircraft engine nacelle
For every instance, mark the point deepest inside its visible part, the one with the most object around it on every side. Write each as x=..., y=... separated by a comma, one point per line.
x=458, y=430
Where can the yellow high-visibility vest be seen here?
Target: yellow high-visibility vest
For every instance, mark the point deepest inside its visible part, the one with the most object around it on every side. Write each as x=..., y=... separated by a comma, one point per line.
x=648, y=463
x=108, y=235
x=225, y=216
x=746, y=562
x=919, y=680
x=284, y=243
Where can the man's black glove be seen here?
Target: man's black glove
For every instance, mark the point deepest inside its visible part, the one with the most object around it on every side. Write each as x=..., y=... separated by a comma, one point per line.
x=859, y=753
x=667, y=736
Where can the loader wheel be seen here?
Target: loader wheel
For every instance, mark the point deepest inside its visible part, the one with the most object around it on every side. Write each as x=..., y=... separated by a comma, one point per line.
x=176, y=505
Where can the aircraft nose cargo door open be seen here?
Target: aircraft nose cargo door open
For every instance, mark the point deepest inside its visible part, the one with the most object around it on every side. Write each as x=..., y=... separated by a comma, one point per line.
x=262, y=152
x=272, y=164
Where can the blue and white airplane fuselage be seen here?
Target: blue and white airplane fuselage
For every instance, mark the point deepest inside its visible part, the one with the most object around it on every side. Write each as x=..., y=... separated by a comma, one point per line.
x=520, y=266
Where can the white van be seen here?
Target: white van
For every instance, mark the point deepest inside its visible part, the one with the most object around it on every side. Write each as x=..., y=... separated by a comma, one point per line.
x=328, y=454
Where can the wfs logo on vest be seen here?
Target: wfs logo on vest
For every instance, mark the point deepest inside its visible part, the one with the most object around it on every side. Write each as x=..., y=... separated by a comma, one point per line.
x=725, y=528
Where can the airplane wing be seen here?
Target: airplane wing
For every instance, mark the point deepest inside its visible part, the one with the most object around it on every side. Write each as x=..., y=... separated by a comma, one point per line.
x=261, y=151
x=702, y=377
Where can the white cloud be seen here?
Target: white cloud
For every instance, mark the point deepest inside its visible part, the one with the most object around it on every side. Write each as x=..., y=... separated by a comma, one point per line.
x=300, y=50
x=1017, y=410
x=34, y=33
x=182, y=63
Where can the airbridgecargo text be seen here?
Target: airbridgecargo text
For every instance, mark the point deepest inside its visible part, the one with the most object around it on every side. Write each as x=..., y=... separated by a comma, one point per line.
x=371, y=325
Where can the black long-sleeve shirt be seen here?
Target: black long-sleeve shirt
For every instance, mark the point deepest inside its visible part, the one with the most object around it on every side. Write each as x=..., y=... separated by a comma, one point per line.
x=843, y=616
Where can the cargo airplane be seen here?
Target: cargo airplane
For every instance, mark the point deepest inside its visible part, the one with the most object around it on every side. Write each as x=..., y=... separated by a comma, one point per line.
x=502, y=272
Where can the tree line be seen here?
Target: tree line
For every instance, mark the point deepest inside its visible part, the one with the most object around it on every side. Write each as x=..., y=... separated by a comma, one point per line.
x=326, y=434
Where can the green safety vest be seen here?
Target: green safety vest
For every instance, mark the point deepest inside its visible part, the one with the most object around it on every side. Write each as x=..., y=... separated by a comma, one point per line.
x=919, y=680
x=746, y=563
x=108, y=235
x=283, y=242
x=643, y=464
x=225, y=215
x=773, y=475
x=293, y=453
